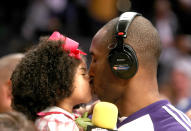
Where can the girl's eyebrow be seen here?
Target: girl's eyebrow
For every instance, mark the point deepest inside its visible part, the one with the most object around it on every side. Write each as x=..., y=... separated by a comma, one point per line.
x=83, y=68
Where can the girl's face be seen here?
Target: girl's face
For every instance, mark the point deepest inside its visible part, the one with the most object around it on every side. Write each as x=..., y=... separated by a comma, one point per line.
x=82, y=90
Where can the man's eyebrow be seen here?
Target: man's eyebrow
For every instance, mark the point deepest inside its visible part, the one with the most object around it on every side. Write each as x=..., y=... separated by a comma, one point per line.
x=91, y=53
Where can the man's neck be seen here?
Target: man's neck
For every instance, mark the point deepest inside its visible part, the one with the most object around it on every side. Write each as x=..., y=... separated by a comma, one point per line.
x=136, y=98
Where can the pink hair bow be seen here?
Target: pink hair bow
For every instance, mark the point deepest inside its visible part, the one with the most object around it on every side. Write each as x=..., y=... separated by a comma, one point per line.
x=70, y=45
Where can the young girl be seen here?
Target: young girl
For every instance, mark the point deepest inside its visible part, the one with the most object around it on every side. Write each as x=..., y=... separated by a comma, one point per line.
x=50, y=80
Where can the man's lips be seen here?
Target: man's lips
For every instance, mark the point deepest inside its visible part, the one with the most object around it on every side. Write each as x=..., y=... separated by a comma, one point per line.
x=91, y=81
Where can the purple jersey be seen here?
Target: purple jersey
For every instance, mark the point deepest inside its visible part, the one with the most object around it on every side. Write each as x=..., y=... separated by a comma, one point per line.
x=159, y=116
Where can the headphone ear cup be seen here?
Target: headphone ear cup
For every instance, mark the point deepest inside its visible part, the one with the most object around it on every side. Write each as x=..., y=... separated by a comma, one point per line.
x=133, y=57
x=123, y=63
x=122, y=59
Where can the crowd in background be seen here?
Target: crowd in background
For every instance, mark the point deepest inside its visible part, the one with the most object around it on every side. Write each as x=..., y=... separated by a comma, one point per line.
x=21, y=26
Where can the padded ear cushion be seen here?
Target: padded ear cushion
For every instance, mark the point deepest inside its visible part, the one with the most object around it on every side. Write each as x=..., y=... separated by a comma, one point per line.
x=123, y=63
x=133, y=56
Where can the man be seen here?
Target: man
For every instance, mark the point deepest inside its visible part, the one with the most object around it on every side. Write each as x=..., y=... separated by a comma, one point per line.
x=15, y=121
x=7, y=65
x=137, y=98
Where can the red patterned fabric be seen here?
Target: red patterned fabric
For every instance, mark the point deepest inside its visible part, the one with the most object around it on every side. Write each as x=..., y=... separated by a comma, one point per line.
x=56, y=119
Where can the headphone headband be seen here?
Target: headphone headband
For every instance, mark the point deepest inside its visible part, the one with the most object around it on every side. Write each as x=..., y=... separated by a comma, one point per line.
x=123, y=24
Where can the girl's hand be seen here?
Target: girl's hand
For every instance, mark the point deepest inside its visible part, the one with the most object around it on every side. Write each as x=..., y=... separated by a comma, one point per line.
x=86, y=108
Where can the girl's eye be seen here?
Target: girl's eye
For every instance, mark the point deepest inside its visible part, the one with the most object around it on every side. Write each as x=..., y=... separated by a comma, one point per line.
x=85, y=74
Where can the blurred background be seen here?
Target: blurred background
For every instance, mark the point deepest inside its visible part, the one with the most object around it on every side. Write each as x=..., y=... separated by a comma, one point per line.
x=22, y=24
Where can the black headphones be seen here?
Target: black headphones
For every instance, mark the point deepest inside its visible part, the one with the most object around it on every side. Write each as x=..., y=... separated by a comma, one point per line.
x=122, y=58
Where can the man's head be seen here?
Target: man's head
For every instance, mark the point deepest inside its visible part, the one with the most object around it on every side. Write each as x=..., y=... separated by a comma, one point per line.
x=15, y=121
x=142, y=37
x=7, y=65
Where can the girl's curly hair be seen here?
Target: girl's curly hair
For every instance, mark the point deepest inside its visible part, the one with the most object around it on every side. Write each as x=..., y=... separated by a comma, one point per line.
x=43, y=77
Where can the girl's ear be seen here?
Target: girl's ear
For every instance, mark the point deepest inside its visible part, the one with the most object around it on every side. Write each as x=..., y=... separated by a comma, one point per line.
x=9, y=85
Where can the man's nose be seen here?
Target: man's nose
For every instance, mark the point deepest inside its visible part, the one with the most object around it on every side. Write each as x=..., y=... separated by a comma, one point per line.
x=91, y=71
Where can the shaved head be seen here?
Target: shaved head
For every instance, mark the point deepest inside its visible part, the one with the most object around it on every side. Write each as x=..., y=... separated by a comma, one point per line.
x=8, y=64
x=144, y=39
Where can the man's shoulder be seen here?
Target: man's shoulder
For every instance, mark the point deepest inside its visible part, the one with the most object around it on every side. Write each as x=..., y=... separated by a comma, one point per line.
x=165, y=118
x=171, y=118
x=141, y=123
